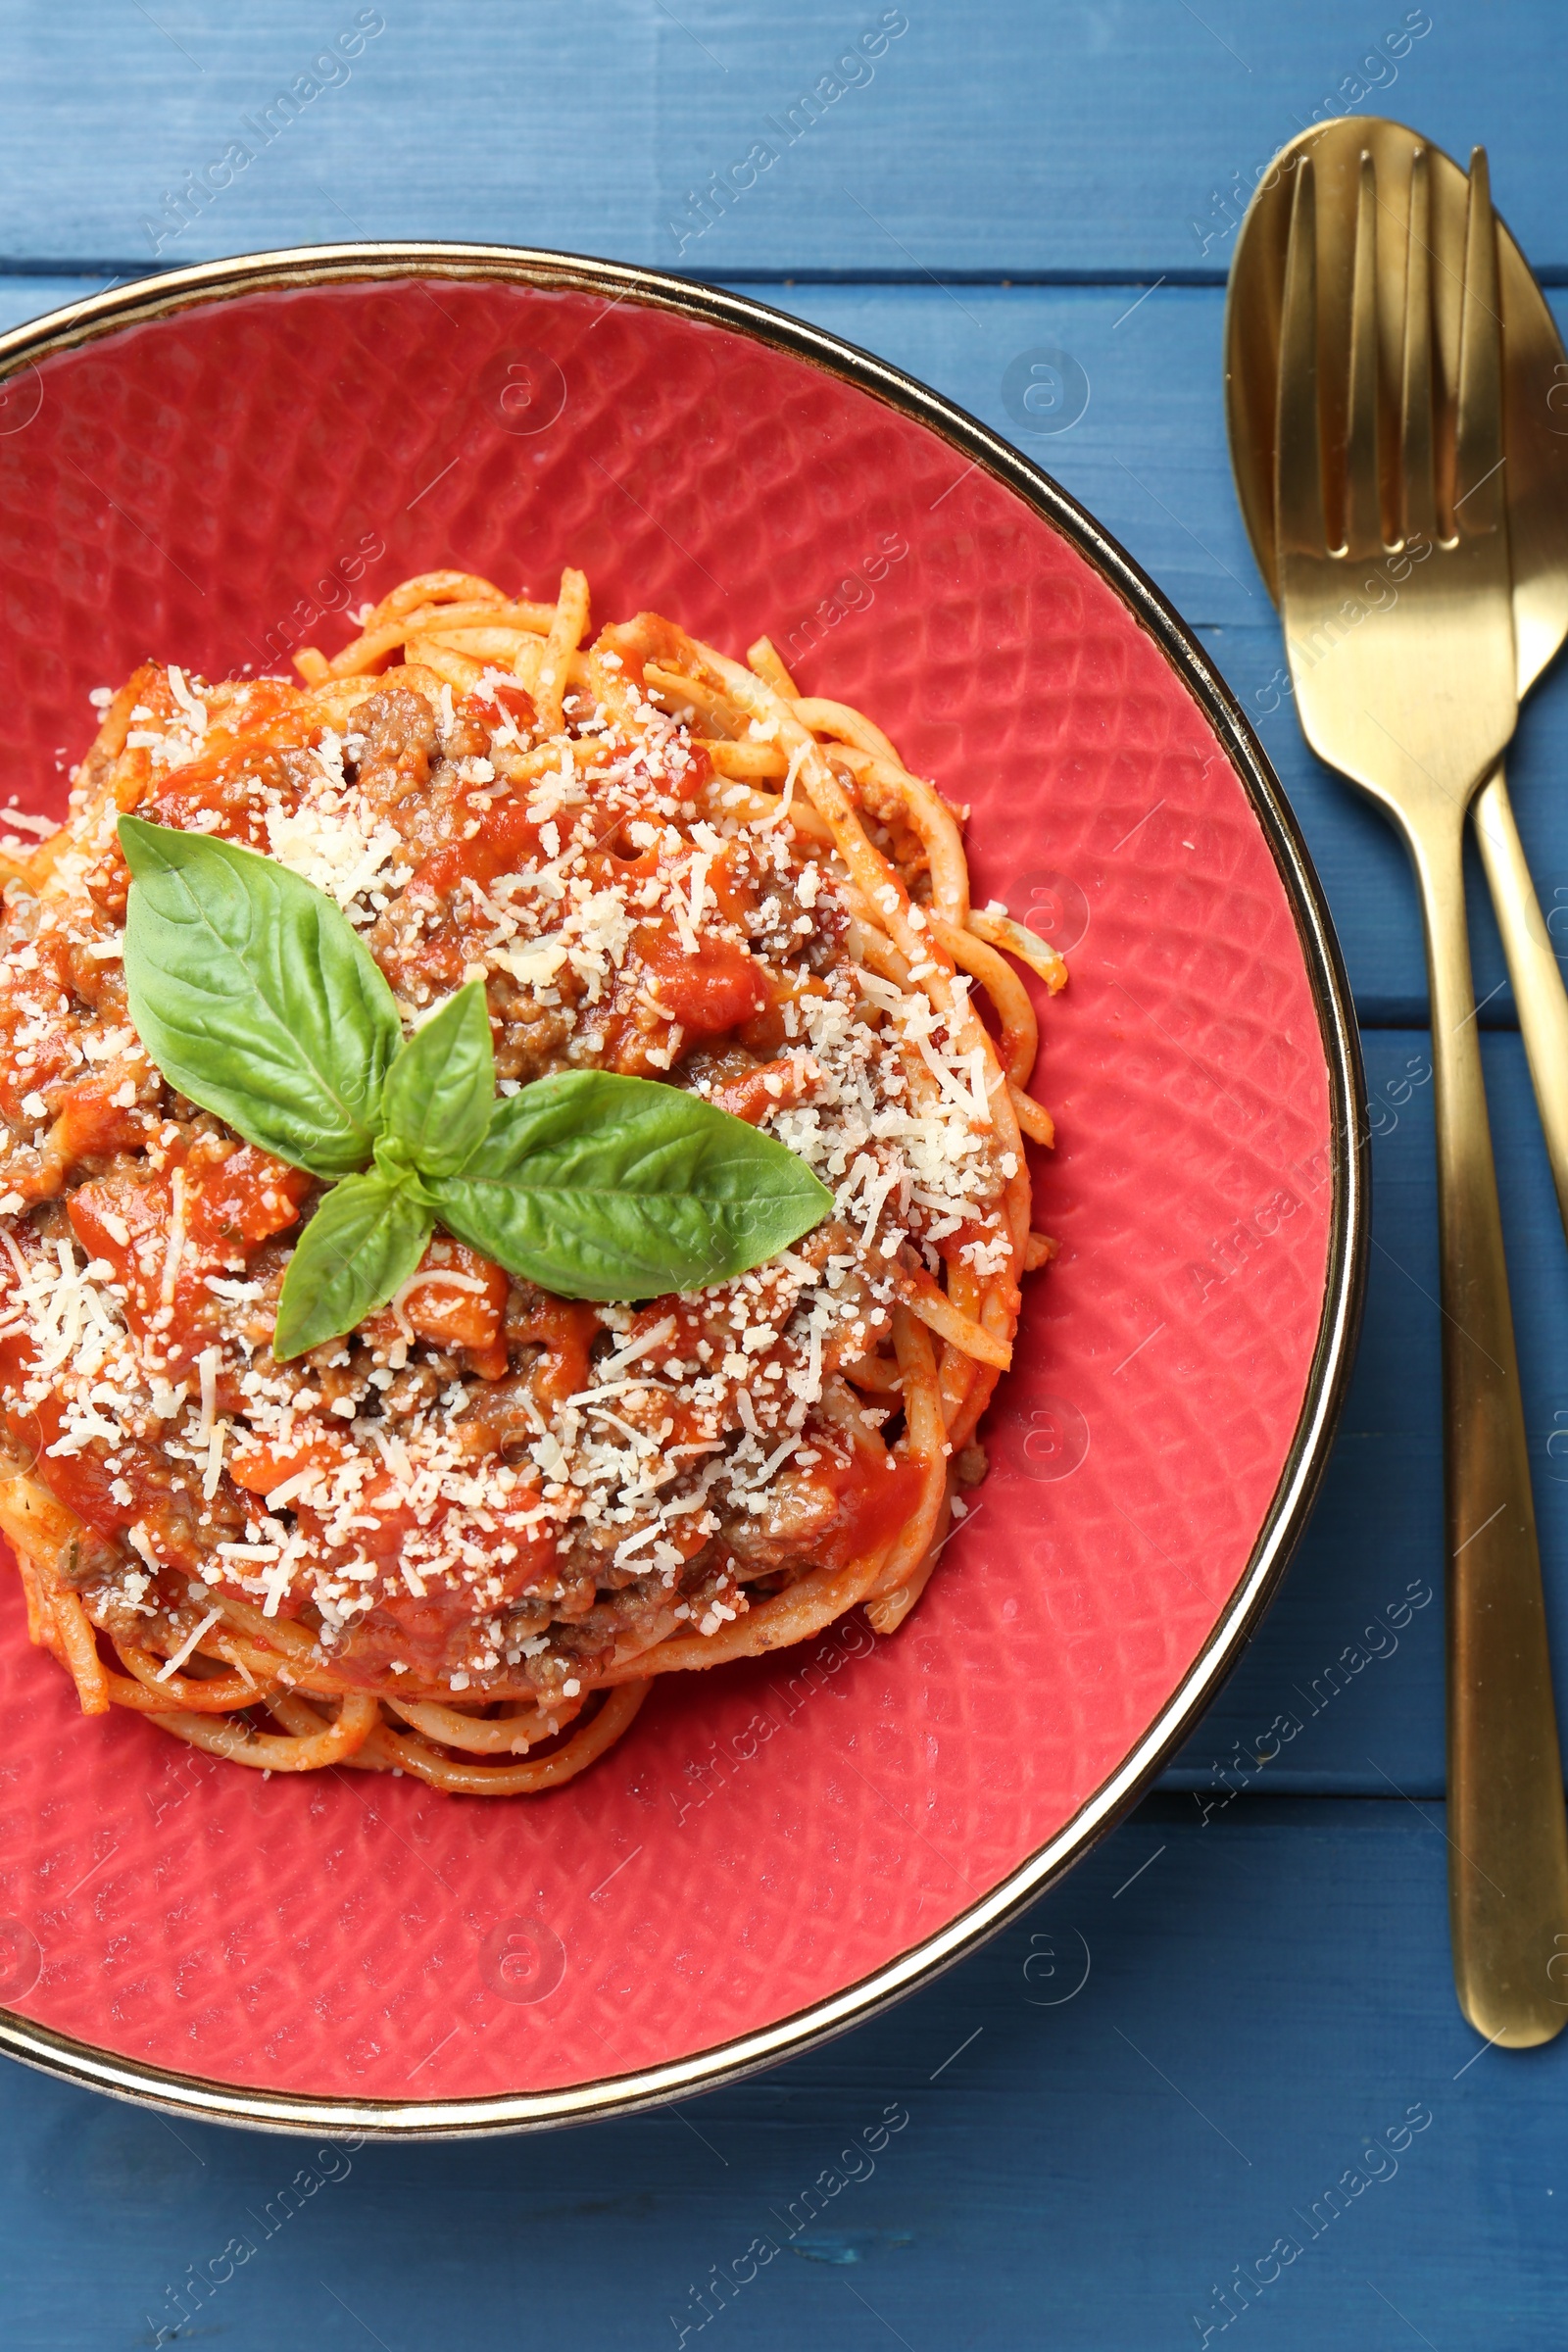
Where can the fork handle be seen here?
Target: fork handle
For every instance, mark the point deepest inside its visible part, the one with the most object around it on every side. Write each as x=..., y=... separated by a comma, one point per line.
x=1507, y=1832
x=1533, y=967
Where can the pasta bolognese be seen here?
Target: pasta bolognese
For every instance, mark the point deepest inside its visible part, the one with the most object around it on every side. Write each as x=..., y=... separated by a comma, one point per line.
x=460, y=1538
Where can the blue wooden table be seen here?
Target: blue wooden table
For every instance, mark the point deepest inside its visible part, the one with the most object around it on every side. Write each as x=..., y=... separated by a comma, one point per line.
x=1216, y=2081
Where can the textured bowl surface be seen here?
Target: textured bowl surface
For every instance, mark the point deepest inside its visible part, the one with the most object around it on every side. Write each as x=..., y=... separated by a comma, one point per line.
x=192, y=487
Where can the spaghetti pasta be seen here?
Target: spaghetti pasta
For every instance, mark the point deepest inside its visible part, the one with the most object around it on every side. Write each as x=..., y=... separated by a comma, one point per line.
x=462, y=1542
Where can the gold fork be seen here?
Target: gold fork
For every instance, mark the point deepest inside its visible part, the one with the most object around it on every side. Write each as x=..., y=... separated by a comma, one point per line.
x=1415, y=703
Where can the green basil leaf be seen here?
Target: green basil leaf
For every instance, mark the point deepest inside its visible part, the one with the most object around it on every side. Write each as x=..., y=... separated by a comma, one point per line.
x=441, y=1089
x=363, y=1241
x=251, y=994
x=601, y=1187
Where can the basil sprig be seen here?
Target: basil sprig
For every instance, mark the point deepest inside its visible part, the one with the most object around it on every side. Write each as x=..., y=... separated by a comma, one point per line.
x=255, y=996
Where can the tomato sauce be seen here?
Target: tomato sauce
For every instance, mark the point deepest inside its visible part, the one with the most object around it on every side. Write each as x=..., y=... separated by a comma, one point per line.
x=564, y=1329
x=92, y=1124
x=110, y=1485
x=714, y=990
x=455, y=1299
x=165, y=1229
x=876, y=1496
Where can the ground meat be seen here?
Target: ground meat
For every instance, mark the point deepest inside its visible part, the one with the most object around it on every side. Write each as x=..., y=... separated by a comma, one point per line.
x=530, y=1038
x=399, y=744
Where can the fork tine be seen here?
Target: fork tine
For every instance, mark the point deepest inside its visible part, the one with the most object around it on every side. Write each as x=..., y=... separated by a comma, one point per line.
x=1478, y=454
x=1363, y=515
x=1419, y=489
x=1297, y=445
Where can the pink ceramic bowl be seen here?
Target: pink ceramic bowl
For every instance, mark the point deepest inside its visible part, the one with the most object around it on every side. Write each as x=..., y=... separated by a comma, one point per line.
x=210, y=468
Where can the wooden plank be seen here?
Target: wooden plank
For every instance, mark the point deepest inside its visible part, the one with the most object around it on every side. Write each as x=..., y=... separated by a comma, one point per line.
x=1006, y=140
x=1062, y=139
x=28, y=297
x=294, y=126
x=1265, y=2047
